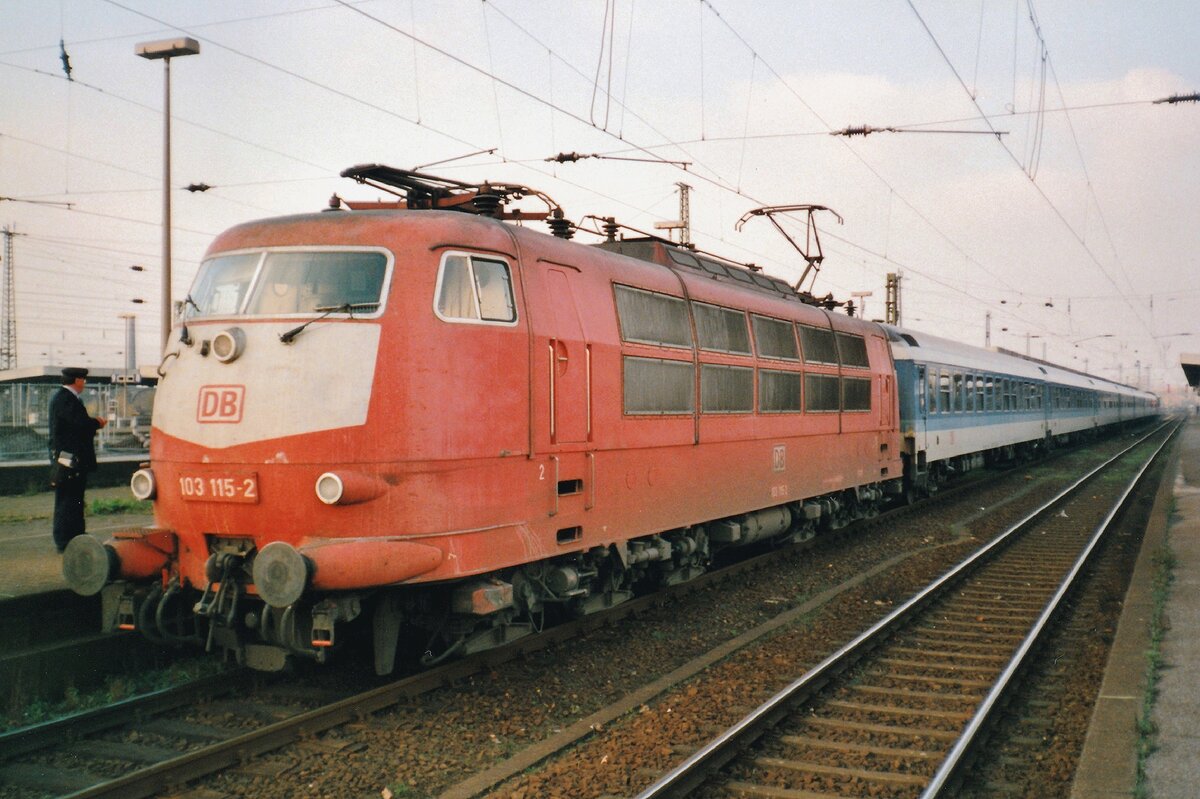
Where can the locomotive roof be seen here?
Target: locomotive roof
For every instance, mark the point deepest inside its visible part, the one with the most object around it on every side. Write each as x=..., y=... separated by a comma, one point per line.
x=476, y=229
x=924, y=347
x=646, y=249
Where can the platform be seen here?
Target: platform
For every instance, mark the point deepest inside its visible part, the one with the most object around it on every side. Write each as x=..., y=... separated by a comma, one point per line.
x=30, y=564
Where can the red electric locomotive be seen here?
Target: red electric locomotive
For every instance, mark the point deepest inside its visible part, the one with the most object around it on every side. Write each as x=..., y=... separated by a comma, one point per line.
x=428, y=421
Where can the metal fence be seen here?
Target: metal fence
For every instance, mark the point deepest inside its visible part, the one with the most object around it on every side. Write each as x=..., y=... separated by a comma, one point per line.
x=25, y=419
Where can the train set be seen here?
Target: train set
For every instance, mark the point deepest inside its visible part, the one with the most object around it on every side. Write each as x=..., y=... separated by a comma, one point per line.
x=428, y=426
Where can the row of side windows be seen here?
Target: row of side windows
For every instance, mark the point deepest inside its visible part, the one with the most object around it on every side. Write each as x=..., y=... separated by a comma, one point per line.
x=667, y=386
x=649, y=317
x=943, y=390
x=659, y=386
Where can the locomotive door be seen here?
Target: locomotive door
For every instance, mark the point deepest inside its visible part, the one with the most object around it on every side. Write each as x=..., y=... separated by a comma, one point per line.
x=887, y=403
x=569, y=363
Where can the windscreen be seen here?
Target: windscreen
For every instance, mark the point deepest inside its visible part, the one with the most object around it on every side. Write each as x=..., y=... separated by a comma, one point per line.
x=289, y=283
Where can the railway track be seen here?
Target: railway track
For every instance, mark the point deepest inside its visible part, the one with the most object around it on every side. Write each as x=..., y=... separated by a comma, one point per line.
x=104, y=755
x=900, y=710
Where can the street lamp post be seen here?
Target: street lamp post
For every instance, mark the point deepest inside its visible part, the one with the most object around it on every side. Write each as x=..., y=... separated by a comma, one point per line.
x=165, y=50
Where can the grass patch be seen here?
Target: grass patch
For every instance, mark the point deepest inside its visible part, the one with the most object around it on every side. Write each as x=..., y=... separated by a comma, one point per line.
x=16, y=518
x=1147, y=742
x=116, y=687
x=109, y=507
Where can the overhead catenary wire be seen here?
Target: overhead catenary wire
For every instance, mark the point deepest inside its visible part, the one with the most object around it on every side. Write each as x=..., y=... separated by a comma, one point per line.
x=622, y=106
x=1057, y=212
x=736, y=190
x=519, y=90
x=292, y=73
x=193, y=123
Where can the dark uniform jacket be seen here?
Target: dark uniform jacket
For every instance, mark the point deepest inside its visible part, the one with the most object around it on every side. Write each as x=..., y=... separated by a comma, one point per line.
x=72, y=430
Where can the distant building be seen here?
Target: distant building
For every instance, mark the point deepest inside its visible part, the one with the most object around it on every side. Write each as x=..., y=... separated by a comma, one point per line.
x=125, y=398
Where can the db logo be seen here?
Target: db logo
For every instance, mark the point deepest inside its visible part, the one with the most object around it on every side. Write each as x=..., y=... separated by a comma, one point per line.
x=220, y=404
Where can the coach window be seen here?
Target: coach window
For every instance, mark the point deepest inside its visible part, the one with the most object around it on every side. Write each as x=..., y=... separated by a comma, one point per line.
x=654, y=386
x=726, y=389
x=648, y=317
x=958, y=391
x=944, y=405
x=979, y=393
x=818, y=345
x=853, y=350
x=989, y=393
x=821, y=393
x=721, y=329
x=774, y=338
x=968, y=392
x=778, y=392
x=856, y=394
x=472, y=289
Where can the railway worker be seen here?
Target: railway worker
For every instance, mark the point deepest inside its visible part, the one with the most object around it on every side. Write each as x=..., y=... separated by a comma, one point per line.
x=72, y=454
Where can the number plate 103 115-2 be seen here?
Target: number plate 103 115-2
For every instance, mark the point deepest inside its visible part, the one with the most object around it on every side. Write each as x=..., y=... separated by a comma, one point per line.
x=219, y=486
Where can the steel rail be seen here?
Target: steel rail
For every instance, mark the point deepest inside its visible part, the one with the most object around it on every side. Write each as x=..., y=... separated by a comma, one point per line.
x=193, y=765
x=39, y=736
x=196, y=764
x=693, y=771
x=951, y=769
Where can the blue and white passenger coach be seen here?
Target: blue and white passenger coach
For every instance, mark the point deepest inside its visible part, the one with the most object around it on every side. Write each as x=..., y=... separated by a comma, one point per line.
x=962, y=407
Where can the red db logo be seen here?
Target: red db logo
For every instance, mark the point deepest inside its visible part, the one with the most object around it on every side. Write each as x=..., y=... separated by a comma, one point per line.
x=220, y=404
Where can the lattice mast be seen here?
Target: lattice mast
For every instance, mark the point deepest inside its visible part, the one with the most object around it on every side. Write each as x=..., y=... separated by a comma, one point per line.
x=8, y=307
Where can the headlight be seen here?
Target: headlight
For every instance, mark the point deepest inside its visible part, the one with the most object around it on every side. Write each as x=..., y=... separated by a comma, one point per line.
x=142, y=484
x=228, y=344
x=348, y=488
x=330, y=488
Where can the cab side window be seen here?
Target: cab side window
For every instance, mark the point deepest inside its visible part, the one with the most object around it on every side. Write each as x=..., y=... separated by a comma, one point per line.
x=475, y=289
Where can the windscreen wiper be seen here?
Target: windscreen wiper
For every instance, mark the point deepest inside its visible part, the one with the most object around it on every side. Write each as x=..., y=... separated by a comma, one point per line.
x=326, y=310
x=183, y=332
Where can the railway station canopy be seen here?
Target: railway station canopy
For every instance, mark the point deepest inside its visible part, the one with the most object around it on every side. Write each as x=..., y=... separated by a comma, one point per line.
x=1190, y=361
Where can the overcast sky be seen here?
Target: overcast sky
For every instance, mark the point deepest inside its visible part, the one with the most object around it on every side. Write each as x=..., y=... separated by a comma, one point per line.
x=1076, y=229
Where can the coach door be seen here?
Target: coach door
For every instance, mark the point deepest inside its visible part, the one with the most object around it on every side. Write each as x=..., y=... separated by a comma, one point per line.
x=924, y=400
x=568, y=362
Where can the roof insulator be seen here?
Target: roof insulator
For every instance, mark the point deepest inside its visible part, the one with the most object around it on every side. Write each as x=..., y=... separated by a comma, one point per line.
x=559, y=227
x=610, y=228
x=487, y=204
